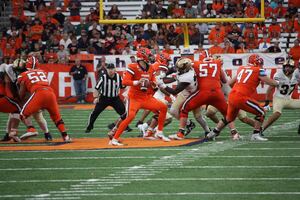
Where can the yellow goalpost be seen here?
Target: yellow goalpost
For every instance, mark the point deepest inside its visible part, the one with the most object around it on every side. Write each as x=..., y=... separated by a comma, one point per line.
x=185, y=21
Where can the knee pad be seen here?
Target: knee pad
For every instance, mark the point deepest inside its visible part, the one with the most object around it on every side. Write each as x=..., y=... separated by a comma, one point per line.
x=59, y=122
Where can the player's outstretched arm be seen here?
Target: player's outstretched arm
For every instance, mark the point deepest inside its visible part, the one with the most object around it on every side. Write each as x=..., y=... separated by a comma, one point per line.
x=269, y=81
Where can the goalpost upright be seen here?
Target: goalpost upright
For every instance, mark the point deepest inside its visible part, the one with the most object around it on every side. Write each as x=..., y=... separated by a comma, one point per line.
x=184, y=21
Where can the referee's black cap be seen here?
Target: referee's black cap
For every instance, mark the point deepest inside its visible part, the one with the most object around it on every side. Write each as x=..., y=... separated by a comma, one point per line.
x=110, y=66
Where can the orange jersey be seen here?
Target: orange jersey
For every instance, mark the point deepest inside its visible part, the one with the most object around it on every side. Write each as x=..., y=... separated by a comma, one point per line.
x=134, y=73
x=208, y=74
x=248, y=79
x=34, y=79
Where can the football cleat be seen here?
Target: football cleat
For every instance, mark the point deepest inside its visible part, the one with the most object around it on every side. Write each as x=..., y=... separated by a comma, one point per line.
x=138, y=123
x=143, y=128
x=115, y=142
x=161, y=136
x=257, y=137
x=31, y=132
x=13, y=135
x=149, y=135
x=235, y=135
x=189, y=127
x=111, y=133
x=28, y=135
x=211, y=135
x=177, y=136
x=48, y=136
x=66, y=138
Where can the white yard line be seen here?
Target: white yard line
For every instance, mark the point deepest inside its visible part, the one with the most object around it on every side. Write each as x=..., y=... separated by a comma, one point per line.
x=175, y=167
x=143, y=172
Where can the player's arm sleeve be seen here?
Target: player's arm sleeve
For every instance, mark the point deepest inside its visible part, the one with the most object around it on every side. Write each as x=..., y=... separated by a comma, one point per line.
x=232, y=81
x=99, y=84
x=179, y=88
x=128, y=78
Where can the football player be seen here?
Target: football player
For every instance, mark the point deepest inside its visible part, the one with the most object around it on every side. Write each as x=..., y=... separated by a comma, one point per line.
x=42, y=96
x=186, y=86
x=245, y=84
x=289, y=78
x=140, y=78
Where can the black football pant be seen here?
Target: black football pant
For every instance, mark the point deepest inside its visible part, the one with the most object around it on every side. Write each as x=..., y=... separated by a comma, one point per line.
x=103, y=103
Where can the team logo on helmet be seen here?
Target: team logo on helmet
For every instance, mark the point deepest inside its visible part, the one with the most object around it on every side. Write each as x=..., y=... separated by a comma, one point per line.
x=163, y=58
x=183, y=65
x=255, y=60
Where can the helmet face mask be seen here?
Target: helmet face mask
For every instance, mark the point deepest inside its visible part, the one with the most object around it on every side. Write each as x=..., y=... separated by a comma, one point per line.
x=288, y=67
x=19, y=65
x=255, y=60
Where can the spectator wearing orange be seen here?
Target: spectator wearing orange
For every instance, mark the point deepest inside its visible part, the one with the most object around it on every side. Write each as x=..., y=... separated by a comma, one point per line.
x=218, y=5
x=92, y=16
x=42, y=13
x=75, y=7
x=295, y=51
x=50, y=56
x=217, y=34
x=3, y=41
x=280, y=11
x=15, y=40
x=288, y=24
x=292, y=9
x=274, y=29
x=139, y=42
x=178, y=11
x=260, y=27
x=18, y=7
x=242, y=48
x=36, y=31
x=228, y=48
x=297, y=24
x=9, y=51
x=268, y=10
x=215, y=49
x=167, y=49
x=251, y=10
x=121, y=43
x=295, y=3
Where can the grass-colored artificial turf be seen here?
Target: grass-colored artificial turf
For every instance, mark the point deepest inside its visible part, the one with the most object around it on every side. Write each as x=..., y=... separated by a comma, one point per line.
x=215, y=170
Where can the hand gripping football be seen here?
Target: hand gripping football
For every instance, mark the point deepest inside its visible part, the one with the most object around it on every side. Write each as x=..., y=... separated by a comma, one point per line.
x=145, y=84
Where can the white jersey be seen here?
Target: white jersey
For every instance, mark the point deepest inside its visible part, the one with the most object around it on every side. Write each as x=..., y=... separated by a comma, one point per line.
x=287, y=85
x=188, y=77
x=8, y=69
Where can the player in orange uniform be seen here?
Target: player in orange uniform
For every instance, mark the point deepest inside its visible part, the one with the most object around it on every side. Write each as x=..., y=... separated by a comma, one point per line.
x=160, y=68
x=139, y=76
x=209, y=76
x=245, y=84
x=9, y=105
x=42, y=97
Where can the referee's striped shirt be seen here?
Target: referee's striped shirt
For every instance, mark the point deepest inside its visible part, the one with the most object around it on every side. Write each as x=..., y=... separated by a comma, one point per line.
x=109, y=87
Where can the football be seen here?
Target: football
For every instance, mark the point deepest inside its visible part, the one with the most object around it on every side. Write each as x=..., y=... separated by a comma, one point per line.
x=145, y=84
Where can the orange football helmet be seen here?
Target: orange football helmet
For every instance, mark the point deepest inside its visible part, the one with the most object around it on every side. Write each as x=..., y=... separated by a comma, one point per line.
x=32, y=62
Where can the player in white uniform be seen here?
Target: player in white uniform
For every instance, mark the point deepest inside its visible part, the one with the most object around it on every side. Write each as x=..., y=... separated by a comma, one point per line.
x=186, y=85
x=289, y=78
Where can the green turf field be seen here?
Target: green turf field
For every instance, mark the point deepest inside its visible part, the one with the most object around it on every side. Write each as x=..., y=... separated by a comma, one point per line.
x=215, y=171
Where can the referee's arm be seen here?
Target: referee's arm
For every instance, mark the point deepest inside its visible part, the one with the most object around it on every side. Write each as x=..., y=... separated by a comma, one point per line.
x=96, y=93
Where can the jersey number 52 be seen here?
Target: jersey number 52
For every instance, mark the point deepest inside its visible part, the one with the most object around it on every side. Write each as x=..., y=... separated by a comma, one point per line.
x=37, y=76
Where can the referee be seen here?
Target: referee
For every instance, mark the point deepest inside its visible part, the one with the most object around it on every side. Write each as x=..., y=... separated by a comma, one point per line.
x=106, y=94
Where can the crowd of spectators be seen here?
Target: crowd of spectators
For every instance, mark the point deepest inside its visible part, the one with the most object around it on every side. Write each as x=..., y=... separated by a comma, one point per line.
x=53, y=38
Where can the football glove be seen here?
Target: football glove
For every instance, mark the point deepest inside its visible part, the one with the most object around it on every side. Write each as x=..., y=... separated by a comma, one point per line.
x=267, y=105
